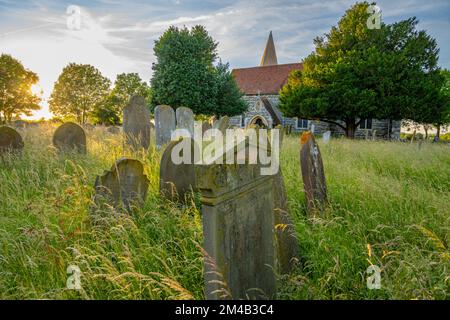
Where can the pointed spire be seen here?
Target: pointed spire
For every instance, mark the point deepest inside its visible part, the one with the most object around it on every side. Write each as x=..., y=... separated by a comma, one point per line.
x=270, y=56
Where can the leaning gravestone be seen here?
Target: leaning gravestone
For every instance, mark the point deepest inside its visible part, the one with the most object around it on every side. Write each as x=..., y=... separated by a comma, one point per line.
x=287, y=243
x=222, y=124
x=185, y=120
x=10, y=140
x=326, y=137
x=312, y=173
x=136, y=123
x=70, y=137
x=238, y=229
x=124, y=186
x=164, y=124
x=177, y=180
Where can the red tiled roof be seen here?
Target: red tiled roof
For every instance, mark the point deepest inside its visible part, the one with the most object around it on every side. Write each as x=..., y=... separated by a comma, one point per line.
x=264, y=80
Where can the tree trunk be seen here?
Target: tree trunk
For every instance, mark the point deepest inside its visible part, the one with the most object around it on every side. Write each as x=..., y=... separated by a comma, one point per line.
x=350, y=129
x=426, y=132
x=438, y=133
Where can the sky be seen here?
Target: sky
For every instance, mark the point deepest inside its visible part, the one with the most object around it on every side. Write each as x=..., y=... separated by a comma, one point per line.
x=117, y=36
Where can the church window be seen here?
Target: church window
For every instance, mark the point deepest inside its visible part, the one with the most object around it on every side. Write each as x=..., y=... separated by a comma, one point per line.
x=302, y=123
x=366, y=124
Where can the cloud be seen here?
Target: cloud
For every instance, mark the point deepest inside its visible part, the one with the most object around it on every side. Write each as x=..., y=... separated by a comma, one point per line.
x=118, y=36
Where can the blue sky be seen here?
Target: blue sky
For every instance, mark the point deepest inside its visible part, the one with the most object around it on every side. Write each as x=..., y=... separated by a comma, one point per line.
x=118, y=36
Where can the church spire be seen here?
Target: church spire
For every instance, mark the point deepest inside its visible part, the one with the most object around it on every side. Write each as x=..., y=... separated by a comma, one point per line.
x=269, y=57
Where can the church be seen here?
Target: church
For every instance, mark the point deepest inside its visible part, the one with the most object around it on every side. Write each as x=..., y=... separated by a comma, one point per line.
x=261, y=86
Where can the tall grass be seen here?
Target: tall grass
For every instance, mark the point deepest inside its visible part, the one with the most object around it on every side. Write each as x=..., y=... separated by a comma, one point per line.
x=389, y=206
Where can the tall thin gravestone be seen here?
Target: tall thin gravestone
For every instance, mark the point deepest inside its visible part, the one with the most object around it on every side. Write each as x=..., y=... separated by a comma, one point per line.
x=185, y=120
x=177, y=180
x=124, y=186
x=165, y=124
x=70, y=137
x=238, y=229
x=326, y=137
x=10, y=140
x=136, y=124
x=222, y=124
x=312, y=173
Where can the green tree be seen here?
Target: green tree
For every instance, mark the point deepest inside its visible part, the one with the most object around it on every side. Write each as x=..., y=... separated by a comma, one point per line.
x=126, y=85
x=185, y=74
x=16, y=96
x=77, y=92
x=357, y=73
x=442, y=115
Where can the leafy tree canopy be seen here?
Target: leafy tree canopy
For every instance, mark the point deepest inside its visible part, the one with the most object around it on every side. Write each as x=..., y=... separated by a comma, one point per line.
x=357, y=73
x=16, y=96
x=126, y=85
x=185, y=74
x=77, y=92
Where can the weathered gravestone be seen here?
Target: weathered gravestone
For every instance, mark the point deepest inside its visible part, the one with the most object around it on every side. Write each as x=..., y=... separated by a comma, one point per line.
x=185, y=119
x=326, y=137
x=312, y=173
x=177, y=180
x=70, y=137
x=164, y=124
x=222, y=124
x=287, y=244
x=124, y=186
x=136, y=123
x=281, y=132
x=205, y=127
x=114, y=130
x=10, y=140
x=238, y=229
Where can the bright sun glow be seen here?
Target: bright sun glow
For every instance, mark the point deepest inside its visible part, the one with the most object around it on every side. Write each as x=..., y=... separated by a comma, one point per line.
x=36, y=89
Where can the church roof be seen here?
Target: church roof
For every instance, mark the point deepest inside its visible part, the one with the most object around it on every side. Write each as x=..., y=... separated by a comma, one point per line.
x=264, y=80
x=269, y=57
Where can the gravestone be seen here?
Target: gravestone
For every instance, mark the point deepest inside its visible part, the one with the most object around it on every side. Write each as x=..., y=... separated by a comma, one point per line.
x=205, y=127
x=185, y=120
x=366, y=131
x=287, y=244
x=10, y=140
x=176, y=180
x=136, y=124
x=123, y=187
x=20, y=124
x=238, y=230
x=70, y=137
x=326, y=137
x=114, y=130
x=281, y=132
x=222, y=124
x=312, y=173
x=164, y=124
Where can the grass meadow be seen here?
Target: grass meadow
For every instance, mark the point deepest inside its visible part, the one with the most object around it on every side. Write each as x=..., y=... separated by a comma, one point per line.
x=389, y=206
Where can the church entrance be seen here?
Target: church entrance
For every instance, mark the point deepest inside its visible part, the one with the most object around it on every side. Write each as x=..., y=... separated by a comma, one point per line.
x=260, y=121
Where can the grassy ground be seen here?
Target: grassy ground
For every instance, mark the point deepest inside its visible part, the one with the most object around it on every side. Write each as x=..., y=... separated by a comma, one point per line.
x=389, y=206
